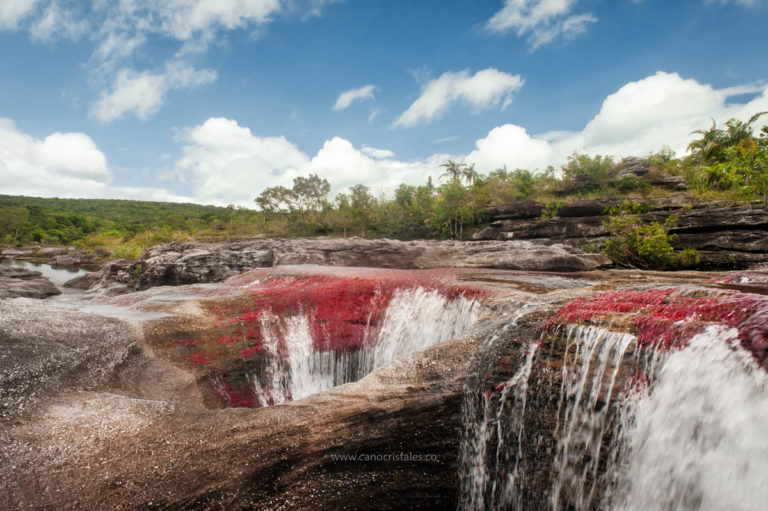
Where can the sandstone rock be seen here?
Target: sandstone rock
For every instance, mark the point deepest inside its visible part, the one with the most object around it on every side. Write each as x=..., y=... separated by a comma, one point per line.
x=45, y=350
x=20, y=282
x=84, y=281
x=65, y=257
x=727, y=235
x=197, y=262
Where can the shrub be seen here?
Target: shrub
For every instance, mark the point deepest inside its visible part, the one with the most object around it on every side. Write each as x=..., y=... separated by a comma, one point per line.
x=646, y=244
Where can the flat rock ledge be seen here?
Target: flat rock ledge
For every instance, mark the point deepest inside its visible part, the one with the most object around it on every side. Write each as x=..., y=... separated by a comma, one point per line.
x=23, y=283
x=182, y=263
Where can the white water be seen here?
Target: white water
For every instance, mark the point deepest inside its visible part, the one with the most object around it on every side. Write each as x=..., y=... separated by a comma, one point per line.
x=591, y=362
x=699, y=439
x=414, y=319
x=479, y=490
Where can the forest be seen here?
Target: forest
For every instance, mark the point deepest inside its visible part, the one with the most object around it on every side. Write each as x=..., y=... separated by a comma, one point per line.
x=728, y=162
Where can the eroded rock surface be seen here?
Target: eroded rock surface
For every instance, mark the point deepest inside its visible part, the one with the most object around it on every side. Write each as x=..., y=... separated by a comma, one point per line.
x=726, y=235
x=23, y=283
x=143, y=438
x=194, y=262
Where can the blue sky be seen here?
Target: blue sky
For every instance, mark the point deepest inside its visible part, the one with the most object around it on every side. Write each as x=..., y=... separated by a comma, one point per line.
x=213, y=100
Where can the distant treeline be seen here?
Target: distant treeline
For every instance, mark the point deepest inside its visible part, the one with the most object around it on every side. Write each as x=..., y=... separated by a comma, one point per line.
x=729, y=162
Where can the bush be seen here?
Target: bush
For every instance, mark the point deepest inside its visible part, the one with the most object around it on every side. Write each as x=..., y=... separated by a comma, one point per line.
x=583, y=173
x=646, y=245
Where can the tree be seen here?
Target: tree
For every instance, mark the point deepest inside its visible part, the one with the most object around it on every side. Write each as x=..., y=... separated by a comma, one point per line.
x=362, y=203
x=453, y=170
x=302, y=202
x=469, y=173
x=710, y=148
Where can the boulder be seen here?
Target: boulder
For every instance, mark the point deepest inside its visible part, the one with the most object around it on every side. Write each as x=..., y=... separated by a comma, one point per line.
x=85, y=281
x=23, y=283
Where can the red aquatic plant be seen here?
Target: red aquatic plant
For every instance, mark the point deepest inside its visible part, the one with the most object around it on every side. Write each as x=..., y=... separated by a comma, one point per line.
x=199, y=360
x=668, y=318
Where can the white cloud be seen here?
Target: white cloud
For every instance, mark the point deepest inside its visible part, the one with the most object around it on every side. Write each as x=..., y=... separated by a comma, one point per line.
x=378, y=154
x=510, y=145
x=117, y=28
x=486, y=89
x=60, y=165
x=143, y=92
x=345, y=99
x=57, y=22
x=541, y=21
x=13, y=11
x=640, y=117
x=228, y=164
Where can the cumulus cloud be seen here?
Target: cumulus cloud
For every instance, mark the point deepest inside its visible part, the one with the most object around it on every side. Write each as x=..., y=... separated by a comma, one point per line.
x=60, y=165
x=486, y=89
x=345, y=99
x=510, y=145
x=540, y=21
x=640, y=117
x=143, y=92
x=229, y=164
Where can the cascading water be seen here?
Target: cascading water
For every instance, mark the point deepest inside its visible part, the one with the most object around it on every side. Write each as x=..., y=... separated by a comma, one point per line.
x=488, y=479
x=670, y=415
x=697, y=439
x=414, y=319
x=591, y=363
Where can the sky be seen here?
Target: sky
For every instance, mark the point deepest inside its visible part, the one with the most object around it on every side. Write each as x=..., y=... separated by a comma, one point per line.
x=211, y=101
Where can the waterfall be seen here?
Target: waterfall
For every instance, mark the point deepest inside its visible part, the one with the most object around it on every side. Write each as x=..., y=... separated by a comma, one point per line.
x=414, y=319
x=489, y=422
x=591, y=363
x=418, y=318
x=698, y=439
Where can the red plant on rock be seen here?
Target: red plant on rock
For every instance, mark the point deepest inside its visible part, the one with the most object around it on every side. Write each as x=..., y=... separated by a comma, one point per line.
x=668, y=318
x=199, y=360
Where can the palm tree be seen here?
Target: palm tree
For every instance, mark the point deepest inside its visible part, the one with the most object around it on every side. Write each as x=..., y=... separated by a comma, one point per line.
x=710, y=143
x=714, y=140
x=739, y=131
x=470, y=174
x=453, y=170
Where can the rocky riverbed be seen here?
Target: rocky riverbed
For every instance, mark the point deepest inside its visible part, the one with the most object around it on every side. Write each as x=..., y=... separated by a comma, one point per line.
x=188, y=397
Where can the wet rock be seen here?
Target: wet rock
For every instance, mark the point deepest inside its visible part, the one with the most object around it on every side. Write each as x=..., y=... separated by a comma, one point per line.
x=23, y=283
x=64, y=257
x=84, y=281
x=197, y=262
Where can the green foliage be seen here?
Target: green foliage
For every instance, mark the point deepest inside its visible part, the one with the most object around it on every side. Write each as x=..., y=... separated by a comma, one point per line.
x=728, y=162
x=102, y=223
x=645, y=244
x=302, y=203
x=583, y=173
x=552, y=210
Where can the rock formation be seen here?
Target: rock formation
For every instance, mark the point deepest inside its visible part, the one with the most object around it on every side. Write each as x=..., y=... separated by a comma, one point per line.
x=103, y=413
x=194, y=262
x=23, y=283
x=726, y=235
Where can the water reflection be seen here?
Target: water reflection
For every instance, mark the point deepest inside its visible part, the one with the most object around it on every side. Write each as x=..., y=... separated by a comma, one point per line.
x=56, y=275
